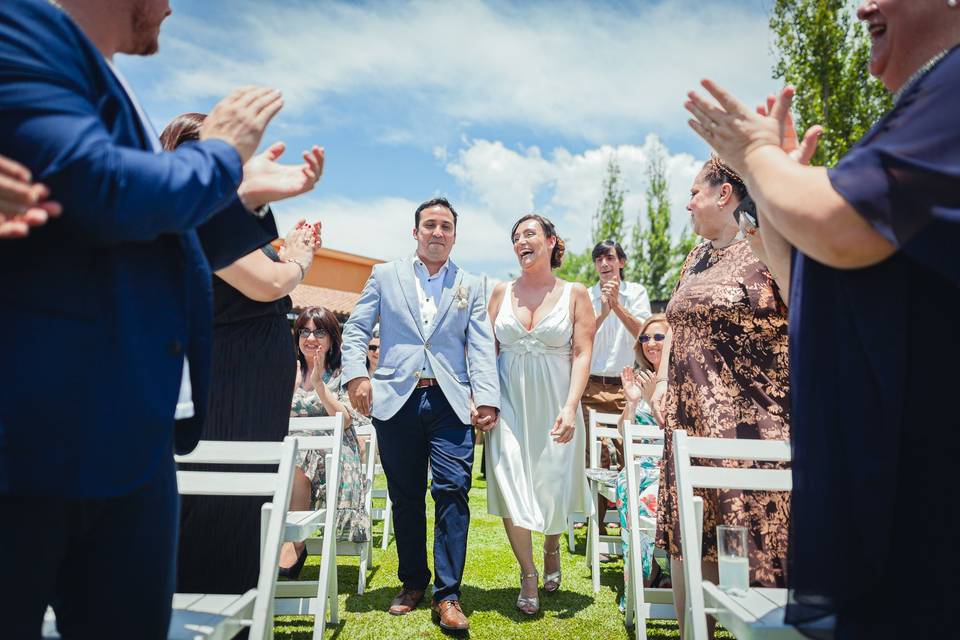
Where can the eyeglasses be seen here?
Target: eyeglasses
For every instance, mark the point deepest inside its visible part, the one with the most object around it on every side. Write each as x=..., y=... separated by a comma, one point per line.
x=373, y=347
x=746, y=216
x=316, y=333
x=659, y=337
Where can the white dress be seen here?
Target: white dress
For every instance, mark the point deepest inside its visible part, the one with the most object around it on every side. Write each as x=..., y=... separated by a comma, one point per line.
x=530, y=478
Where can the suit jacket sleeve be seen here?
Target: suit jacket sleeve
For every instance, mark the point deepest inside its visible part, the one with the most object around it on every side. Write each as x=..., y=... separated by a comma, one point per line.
x=359, y=329
x=481, y=354
x=232, y=233
x=56, y=102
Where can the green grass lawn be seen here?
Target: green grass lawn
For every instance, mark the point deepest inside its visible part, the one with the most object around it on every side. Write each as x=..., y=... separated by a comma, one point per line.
x=491, y=584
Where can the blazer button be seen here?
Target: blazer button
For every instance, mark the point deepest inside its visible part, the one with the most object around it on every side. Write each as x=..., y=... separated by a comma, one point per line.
x=176, y=348
x=426, y=346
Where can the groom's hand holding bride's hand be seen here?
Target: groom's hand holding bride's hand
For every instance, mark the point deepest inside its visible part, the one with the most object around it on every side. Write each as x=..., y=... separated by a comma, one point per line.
x=360, y=393
x=484, y=417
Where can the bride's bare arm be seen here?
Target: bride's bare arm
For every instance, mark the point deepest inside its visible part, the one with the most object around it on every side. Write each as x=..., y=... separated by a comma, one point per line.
x=493, y=308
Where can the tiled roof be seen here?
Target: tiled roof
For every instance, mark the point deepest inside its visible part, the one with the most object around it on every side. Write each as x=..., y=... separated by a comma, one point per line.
x=340, y=302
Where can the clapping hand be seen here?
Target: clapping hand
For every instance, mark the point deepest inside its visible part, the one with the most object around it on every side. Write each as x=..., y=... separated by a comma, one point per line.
x=631, y=387
x=799, y=151
x=610, y=294
x=241, y=118
x=564, y=426
x=319, y=366
x=300, y=244
x=265, y=180
x=22, y=204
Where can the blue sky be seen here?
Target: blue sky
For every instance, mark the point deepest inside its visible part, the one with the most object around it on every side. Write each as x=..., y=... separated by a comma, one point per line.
x=502, y=107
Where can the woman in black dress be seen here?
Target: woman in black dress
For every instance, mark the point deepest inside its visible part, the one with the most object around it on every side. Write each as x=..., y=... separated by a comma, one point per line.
x=254, y=368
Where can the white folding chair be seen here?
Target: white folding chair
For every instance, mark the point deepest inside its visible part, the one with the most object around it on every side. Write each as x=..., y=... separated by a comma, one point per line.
x=386, y=512
x=304, y=597
x=597, y=429
x=198, y=616
x=759, y=613
x=224, y=616
x=642, y=602
x=364, y=549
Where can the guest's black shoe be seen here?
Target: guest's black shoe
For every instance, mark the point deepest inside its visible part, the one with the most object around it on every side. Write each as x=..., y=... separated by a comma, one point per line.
x=293, y=572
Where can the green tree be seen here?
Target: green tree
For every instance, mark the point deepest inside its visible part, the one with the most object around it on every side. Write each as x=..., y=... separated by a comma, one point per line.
x=608, y=220
x=656, y=259
x=578, y=267
x=822, y=50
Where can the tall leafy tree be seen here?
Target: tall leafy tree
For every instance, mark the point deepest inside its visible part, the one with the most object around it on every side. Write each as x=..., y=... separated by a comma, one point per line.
x=609, y=218
x=656, y=259
x=822, y=49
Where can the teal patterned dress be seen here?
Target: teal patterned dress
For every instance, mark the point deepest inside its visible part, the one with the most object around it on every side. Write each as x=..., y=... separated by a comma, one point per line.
x=649, y=481
x=353, y=522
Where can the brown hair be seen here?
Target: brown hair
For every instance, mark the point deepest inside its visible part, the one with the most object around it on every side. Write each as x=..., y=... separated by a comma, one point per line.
x=183, y=128
x=716, y=171
x=322, y=319
x=642, y=360
x=549, y=231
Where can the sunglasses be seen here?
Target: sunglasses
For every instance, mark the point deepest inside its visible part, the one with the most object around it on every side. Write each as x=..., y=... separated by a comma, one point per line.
x=644, y=339
x=316, y=333
x=373, y=347
x=746, y=216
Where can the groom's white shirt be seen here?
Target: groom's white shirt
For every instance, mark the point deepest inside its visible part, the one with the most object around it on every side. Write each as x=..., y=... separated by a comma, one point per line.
x=456, y=346
x=429, y=290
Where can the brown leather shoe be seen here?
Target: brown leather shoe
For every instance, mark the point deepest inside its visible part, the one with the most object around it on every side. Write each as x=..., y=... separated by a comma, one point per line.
x=405, y=602
x=449, y=615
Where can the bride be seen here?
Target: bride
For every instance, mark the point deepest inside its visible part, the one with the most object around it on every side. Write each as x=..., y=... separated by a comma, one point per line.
x=544, y=329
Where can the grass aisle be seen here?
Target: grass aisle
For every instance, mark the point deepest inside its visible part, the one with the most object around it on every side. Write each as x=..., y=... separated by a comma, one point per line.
x=491, y=584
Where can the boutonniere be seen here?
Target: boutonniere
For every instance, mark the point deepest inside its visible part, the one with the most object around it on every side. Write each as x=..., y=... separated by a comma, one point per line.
x=461, y=297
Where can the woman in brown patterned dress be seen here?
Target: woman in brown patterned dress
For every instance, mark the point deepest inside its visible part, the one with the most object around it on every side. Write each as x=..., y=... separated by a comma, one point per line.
x=726, y=377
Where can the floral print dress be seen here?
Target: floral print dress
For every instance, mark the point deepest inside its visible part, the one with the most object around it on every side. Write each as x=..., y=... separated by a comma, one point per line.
x=649, y=486
x=728, y=378
x=353, y=522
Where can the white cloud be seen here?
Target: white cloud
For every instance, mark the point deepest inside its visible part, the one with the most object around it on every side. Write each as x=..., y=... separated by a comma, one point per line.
x=509, y=181
x=500, y=184
x=582, y=70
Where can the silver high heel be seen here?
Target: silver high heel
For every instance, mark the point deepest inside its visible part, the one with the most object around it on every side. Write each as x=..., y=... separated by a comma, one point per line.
x=551, y=581
x=529, y=605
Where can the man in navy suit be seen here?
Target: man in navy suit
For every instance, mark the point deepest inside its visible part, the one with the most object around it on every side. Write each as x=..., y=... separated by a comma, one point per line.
x=106, y=317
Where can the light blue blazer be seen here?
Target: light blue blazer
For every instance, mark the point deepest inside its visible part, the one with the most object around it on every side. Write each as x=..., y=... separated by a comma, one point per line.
x=459, y=344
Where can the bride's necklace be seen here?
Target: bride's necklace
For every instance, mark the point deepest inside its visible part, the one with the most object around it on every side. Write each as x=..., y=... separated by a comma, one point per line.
x=919, y=73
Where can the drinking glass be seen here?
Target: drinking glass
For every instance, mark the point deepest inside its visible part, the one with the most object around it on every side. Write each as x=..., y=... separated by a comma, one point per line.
x=733, y=559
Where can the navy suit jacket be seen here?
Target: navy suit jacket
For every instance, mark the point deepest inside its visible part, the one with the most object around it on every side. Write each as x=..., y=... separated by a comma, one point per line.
x=99, y=307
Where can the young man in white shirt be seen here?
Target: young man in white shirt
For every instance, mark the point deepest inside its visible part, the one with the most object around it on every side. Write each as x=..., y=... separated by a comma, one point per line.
x=621, y=308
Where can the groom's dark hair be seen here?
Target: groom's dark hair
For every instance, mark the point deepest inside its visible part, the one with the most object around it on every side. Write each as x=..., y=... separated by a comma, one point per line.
x=435, y=202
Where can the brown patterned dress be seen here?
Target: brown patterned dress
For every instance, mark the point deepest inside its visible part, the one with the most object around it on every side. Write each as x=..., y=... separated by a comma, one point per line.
x=728, y=378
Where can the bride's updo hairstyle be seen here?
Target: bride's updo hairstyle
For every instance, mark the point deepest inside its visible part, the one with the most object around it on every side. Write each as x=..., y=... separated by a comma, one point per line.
x=549, y=231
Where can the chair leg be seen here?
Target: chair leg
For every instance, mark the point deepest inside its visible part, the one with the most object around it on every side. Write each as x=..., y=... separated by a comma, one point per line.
x=571, y=546
x=387, y=519
x=364, y=560
x=594, y=537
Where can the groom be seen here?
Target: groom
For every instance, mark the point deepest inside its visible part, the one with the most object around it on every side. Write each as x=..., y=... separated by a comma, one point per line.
x=434, y=329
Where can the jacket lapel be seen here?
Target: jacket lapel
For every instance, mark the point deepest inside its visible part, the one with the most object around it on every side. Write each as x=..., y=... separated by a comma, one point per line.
x=408, y=286
x=451, y=283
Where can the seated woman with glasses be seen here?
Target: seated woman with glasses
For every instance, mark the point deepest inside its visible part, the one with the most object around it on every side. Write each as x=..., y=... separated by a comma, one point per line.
x=638, y=388
x=318, y=392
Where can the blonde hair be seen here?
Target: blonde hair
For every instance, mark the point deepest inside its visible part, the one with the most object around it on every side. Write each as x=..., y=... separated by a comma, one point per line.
x=642, y=361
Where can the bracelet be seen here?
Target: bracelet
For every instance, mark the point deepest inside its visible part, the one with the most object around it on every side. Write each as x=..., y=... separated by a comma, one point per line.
x=303, y=272
x=661, y=380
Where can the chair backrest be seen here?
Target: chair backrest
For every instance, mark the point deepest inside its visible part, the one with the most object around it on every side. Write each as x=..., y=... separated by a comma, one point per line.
x=309, y=431
x=692, y=476
x=276, y=485
x=600, y=425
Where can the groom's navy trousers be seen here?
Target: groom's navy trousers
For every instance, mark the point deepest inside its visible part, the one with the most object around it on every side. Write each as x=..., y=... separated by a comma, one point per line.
x=427, y=429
